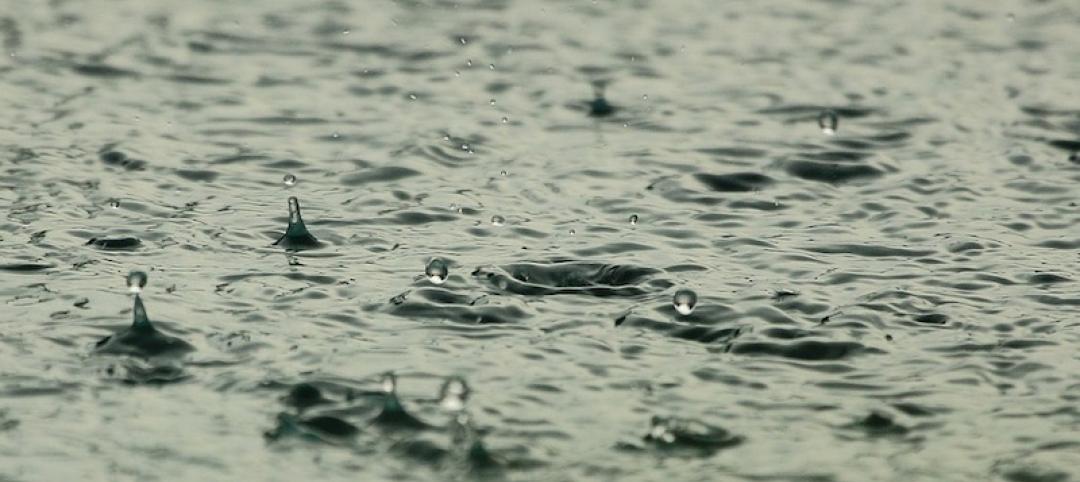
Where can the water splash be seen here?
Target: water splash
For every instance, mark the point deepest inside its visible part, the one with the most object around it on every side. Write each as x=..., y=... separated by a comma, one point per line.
x=296, y=236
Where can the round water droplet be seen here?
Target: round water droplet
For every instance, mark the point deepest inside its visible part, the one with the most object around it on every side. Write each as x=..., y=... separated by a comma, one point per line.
x=505, y=120
x=573, y=232
x=497, y=220
x=289, y=180
x=136, y=281
x=388, y=383
x=645, y=97
x=114, y=203
x=503, y=173
x=828, y=121
x=453, y=394
x=462, y=40
x=437, y=271
x=633, y=219
x=684, y=301
x=492, y=101
x=491, y=66
x=412, y=96
x=468, y=62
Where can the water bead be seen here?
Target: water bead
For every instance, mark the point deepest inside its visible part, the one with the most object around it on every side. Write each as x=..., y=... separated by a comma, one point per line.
x=437, y=271
x=289, y=180
x=136, y=281
x=453, y=394
x=828, y=121
x=684, y=301
x=114, y=203
x=498, y=220
x=633, y=219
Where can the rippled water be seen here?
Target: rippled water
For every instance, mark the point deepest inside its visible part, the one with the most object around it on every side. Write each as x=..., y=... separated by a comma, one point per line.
x=894, y=301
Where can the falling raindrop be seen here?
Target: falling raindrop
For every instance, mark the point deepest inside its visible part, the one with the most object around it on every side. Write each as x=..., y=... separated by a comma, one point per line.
x=505, y=120
x=684, y=301
x=633, y=219
x=573, y=232
x=468, y=62
x=412, y=96
x=491, y=66
x=492, y=102
x=453, y=394
x=389, y=383
x=114, y=203
x=437, y=271
x=136, y=281
x=289, y=180
x=497, y=220
x=503, y=173
x=828, y=122
x=645, y=97
x=462, y=40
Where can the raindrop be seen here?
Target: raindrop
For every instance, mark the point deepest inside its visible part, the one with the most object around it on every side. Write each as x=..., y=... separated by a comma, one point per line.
x=684, y=301
x=344, y=32
x=437, y=271
x=491, y=66
x=645, y=97
x=462, y=40
x=464, y=147
x=289, y=180
x=412, y=96
x=468, y=62
x=136, y=281
x=505, y=120
x=453, y=394
x=114, y=203
x=503, y=173
x=492, y=102
x=389, y=383
x=633, y=219
x=497, y=220
x=828, y=122
x=573, y=232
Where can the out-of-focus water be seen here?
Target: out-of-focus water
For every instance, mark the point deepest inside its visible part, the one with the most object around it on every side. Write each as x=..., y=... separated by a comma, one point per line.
x=895, y=300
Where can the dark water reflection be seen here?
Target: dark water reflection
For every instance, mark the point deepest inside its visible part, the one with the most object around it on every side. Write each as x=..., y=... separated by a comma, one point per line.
x=896, y=301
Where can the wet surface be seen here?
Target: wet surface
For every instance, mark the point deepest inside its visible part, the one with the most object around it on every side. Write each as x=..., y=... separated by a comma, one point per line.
x=875, y=206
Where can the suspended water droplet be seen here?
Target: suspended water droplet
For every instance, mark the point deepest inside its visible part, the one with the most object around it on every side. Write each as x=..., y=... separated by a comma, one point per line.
x=344, y=32
x=505, y=120
x=468, y=62
x=457, y=73
x=633, y=219
x=453, y=394
x=437, y=271
x=573, y=232
x=492, y=102
x=503, y=173
x=462, y=40
x=684, y=301
x=645, y=97
x=446, y=137
x=412, y=96
x=136, y=281
x=114, y=203
x=464, y=147
x=491, y=66
x=289, y=180
x=388, y=383
x=661, y=430
x=828, y=122
x=335, y=135
x=497, y=220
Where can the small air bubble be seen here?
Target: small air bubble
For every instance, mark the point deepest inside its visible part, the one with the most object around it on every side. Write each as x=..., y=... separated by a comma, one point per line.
x=136, y=281
x=289, y=180
x=497, y=220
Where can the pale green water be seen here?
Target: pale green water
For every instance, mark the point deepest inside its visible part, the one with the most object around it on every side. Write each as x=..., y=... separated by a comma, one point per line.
x=895, y=302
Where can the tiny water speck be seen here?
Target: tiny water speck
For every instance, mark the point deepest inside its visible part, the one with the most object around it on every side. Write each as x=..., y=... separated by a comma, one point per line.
x=684, y=301
x=437, y=271
x=828, y=122
x=136, y=281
